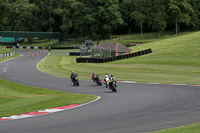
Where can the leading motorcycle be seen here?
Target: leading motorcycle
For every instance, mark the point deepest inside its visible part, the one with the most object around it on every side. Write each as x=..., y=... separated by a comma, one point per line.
x=75, y=81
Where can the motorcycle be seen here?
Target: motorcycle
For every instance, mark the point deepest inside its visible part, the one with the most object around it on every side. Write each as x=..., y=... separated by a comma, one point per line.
x=112, y=85
x=97, y=80
x=75, y=81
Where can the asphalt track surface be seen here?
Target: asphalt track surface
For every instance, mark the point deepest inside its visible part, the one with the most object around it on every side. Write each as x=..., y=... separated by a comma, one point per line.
x=134, y=108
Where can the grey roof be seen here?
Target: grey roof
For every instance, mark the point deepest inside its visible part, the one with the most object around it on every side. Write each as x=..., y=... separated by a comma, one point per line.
x=116, y=47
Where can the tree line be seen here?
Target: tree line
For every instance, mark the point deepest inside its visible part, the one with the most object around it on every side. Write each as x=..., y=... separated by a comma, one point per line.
x=99, y=18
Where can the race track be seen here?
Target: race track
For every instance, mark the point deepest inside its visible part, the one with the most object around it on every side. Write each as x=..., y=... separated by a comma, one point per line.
x=134, y=108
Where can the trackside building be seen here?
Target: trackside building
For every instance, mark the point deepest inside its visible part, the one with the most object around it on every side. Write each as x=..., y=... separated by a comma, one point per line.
x=109, y=49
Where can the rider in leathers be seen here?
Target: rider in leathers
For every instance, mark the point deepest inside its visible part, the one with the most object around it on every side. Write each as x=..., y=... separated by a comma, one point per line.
x=94, y=76
x=73, y=75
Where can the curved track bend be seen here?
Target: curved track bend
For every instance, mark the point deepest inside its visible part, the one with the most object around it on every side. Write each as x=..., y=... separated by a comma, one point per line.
x=134, y=108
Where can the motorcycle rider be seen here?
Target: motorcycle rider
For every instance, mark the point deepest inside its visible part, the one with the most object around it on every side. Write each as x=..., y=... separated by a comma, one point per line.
x=109, y=77
x=73, y=75
x=94, y=76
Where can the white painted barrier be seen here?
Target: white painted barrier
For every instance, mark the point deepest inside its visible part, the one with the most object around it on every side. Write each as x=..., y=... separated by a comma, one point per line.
x=7, y=55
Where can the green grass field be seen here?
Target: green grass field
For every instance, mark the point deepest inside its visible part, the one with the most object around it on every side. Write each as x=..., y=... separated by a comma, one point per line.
x=174, y=60
x=18, y=99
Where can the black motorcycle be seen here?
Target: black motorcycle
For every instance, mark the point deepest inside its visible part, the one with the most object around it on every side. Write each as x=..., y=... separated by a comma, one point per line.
x=97, y=80
x=75, y=81
x=112, y=85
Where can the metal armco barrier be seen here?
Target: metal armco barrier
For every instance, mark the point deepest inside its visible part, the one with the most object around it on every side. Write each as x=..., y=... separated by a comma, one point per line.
x=110, y=59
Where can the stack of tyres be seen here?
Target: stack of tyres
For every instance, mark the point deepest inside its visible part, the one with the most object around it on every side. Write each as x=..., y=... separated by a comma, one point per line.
x=102, y=60
x=112, y=59
x=115, y=58
x=78, y=60
x=127, y=55
x=147, y=51
x=130, y=55
x=122, y=56
x=84, y=60
x=106, y=59
x=150, y=51
x=109, y=59
x=95, y=60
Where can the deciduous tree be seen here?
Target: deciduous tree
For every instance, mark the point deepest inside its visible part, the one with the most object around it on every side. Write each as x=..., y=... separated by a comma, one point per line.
x=157, y=15
x=180, y=11
x=140, y=14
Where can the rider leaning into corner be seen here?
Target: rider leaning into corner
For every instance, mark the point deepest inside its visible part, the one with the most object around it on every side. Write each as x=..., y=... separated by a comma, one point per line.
x=73, y=75
x=94, y=76
x=109, y=77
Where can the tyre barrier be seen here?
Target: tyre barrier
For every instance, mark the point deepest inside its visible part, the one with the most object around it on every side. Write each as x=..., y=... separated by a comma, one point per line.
x=74, y=53
x=78, y=60
x=127, y=55
x=110, y=59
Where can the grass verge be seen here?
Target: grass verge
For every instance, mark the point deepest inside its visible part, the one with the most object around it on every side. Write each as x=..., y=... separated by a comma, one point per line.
x=174, y=60
x=191, y=128
x=11, y=57
x=4, y=51
x=16, y=99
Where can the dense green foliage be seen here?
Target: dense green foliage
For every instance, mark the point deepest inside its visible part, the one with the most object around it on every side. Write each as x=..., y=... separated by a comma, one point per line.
x=99, y=18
